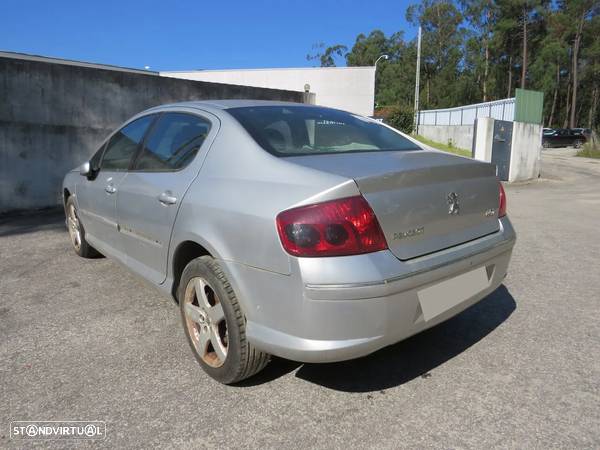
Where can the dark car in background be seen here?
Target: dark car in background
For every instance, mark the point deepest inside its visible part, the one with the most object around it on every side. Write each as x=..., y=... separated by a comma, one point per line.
x=563, y=137
x=587, y=132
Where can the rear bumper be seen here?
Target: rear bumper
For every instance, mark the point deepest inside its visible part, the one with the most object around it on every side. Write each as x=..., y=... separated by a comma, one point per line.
x=334, y=309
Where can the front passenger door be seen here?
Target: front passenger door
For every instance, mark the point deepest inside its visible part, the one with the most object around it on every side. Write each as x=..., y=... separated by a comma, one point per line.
x=150, y=196
x=96, y=196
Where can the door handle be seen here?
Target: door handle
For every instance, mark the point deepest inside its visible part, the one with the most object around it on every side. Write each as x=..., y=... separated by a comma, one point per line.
x=110, y=189
x=166, y=198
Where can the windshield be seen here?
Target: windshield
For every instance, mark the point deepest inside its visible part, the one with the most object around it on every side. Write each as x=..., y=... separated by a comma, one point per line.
x=306, y=130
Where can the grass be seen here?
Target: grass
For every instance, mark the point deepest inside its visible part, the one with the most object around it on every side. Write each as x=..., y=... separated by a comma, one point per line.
x=444, y=147
x=589, y=151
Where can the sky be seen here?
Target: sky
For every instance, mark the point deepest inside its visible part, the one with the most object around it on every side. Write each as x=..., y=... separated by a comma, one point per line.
x=191, y=35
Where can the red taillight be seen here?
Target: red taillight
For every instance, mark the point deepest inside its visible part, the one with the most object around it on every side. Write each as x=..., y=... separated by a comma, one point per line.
x=346, y=226
x=502, y=202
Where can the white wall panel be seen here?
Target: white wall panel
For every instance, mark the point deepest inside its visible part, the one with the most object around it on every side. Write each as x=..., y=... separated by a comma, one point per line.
x=347, y=88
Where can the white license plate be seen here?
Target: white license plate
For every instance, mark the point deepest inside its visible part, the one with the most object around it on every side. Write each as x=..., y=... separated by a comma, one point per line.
x=442, y=296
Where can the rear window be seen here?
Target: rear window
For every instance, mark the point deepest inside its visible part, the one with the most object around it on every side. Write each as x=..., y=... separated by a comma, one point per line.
x=305, y=130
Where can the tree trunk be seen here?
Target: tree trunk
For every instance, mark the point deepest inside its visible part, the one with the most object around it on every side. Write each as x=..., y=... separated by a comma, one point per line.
x=551, y=120
x=593, y=106
x=574, y=70
x=524, y=66
x=486, y=68
x=567, y=108
x=578, y=115
x=509, y=76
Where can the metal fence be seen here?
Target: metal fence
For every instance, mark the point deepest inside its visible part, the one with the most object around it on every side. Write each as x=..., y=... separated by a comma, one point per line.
x=466, y=115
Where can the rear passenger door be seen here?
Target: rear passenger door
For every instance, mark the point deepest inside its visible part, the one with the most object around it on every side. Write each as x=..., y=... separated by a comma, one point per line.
x=150, y=196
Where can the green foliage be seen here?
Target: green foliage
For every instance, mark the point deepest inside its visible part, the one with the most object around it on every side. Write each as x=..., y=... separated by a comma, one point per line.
x=473, y=51
x=326, y=55
x=401, y=118
x=589, y=150
x=442, y=49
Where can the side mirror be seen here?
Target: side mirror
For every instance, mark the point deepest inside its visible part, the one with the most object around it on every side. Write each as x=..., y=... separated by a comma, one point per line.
x=85, y=170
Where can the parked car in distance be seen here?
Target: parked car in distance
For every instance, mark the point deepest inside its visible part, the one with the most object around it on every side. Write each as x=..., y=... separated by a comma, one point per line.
x=293, y=230
x=587, y=132
x=563, y=137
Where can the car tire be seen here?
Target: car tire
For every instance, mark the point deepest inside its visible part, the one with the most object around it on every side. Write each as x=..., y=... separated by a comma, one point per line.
x=77, y=232
x=215, y=325
x=578, y=143
x=546, y=144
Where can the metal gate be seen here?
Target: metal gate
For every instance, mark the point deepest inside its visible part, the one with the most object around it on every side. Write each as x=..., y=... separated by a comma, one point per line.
x=501, y=147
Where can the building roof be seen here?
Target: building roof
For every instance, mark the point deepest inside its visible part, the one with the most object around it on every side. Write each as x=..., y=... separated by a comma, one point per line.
x=272, y=69
x=70, y=62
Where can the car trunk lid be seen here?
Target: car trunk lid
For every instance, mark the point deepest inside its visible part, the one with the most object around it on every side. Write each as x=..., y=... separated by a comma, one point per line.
x=425, y=201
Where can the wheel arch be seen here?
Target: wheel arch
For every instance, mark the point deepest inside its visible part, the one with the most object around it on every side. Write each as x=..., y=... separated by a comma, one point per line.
x=185, y=252
x=66, y=195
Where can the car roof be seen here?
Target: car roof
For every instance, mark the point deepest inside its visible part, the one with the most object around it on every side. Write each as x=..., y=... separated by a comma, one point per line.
x=232, y=103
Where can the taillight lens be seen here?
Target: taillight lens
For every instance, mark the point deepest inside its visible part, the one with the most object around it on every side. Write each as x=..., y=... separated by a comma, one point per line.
x=340, y=227
x=502, y=201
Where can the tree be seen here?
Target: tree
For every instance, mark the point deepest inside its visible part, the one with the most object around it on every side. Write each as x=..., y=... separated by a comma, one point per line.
x=482, y=16
x=442, y=48
x=581, y=11
x=591, y=69
x=326, y=57
x=551, y=63
x=367, y=49
x=481, y=49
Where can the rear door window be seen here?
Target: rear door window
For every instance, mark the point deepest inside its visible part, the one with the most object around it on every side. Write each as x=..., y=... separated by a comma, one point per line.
x=172, y=143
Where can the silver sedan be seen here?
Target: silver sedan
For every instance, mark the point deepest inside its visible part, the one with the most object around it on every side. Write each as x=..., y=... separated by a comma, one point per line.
x=292, y=230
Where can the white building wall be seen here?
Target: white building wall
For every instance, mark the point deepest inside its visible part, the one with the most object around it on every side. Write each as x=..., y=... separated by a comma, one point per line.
x=347, y=88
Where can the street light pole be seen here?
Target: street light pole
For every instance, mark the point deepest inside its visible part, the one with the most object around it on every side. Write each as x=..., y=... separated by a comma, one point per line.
x=386, y=57
x=377, y=60
x=418, y=76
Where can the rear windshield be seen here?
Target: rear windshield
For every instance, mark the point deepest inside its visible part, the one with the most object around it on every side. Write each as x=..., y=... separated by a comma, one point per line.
x=307, y=130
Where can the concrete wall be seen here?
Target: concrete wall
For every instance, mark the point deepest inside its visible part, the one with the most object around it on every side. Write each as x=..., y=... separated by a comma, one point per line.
x=461, y=135
x=347, y=88
x=526, y=151
x=54, y=115
x=484, y=138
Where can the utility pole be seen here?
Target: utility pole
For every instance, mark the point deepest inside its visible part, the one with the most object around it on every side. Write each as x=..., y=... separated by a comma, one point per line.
x=418, y=76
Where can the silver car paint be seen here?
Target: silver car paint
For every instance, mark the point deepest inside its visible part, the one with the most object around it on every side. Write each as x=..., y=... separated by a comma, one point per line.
x=308, y=309
x=409, y=190
x=146, y=240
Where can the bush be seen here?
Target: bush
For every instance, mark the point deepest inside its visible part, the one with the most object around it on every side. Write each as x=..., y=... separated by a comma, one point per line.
x=400, y=118
x=590, y=150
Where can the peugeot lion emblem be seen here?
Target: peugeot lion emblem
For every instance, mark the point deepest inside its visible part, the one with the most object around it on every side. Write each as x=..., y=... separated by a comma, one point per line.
x=453, y=208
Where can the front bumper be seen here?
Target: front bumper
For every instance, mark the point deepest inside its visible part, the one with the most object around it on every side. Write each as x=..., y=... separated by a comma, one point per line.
x=334, y=309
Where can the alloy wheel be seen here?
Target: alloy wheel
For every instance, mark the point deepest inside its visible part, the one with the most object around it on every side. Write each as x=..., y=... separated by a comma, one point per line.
x=205, y=321
x=74, y=227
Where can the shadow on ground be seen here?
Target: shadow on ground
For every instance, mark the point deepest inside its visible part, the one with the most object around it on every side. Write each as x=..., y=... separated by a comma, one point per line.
x=47, y=220
x=389, y=367
x=407, y=360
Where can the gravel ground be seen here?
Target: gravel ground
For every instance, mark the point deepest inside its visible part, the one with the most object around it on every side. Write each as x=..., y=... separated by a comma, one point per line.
x=84, y=339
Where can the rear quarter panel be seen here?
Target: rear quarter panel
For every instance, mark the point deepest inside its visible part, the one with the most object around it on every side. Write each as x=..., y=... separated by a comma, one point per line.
x=231, y=207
